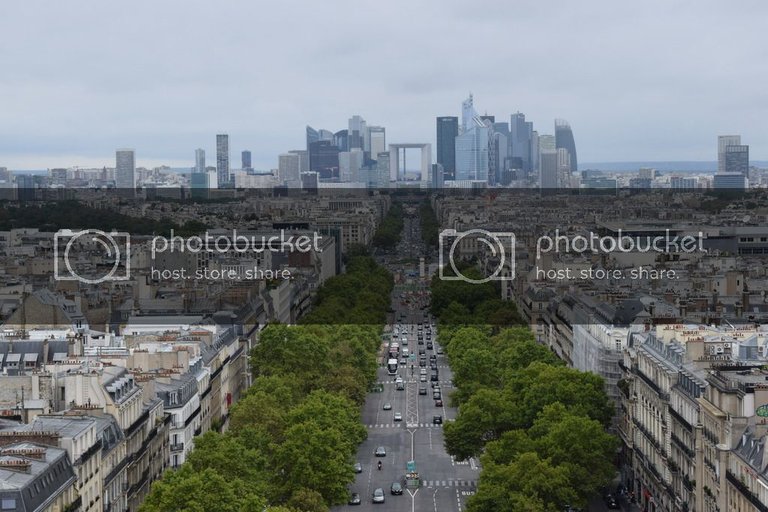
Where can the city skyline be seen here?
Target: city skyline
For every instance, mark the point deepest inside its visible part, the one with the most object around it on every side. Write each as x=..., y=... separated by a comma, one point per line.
x=632, y=85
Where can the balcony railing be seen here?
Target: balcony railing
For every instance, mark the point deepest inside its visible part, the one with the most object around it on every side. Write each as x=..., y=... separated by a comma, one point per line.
x=178, y=447
x=743, y=489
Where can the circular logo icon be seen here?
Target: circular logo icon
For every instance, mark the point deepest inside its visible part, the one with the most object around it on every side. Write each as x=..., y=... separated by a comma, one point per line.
x=101, y=241
x=491, y=241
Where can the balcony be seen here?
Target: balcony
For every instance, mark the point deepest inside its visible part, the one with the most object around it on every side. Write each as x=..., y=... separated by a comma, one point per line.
x=744, y=490
x=647, y=434
x=178, y=447
x=655, y=387
x=682, y=446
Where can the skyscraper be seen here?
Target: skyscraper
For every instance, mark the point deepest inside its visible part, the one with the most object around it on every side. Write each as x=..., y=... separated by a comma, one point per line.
x=447, y=131
x=125, y=169
x=723, y=141
x=357, y=133
x=341, y=140
x=375, y=141
x=548, y=173
x=350, y=163
x=521, y=135
x=737, y=159
x=472, y=145
x=564, y=140
x=289, y=169
x=199, y=160
x=324, y=158
x=246, y=160
x=472, y=153
x=222, y=159
x=317, y=135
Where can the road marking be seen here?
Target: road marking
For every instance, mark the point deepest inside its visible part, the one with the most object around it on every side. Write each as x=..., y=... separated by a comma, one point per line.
x=434, y=499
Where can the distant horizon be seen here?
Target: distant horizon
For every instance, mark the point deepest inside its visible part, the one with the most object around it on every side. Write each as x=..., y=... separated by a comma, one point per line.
x=705, y=166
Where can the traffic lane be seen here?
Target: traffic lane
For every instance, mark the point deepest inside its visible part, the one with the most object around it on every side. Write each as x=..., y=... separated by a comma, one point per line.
x=393, y=464
x=436, y=499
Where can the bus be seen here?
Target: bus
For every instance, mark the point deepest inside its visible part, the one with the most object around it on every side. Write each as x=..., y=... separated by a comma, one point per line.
x=394, y=350
x=392, y=366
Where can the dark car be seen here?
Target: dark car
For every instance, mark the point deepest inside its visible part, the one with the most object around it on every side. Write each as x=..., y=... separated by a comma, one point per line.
x=437, y=419
x=430, y=346
x=434, y=377
x=354, y=499
x=422, y=351
x=396, y=489
x=433, y=357
x=436, y=395
x=439, y=402
x=381, y=452
x=611, y=502
x=422, y=390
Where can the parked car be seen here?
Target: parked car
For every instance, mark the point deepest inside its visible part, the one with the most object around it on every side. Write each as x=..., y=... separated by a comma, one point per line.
x=611, y=502
x=354, y=499
x=358, y=467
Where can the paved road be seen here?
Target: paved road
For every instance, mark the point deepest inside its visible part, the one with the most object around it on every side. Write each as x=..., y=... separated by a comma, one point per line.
x=446, y=484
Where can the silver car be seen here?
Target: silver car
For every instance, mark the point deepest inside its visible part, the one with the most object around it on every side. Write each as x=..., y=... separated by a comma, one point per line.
x=378, y=496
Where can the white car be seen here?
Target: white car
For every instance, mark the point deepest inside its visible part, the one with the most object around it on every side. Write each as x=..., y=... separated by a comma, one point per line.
x=398, y=416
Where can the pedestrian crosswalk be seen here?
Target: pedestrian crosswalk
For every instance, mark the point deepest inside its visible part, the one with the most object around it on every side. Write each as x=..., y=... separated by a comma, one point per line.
x=449, y=483
x=400, y=425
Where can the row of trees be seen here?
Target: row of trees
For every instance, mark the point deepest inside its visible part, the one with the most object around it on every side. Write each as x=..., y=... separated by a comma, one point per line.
x=537, y=426
x=387, y=236
x=458, y=302
x=293, y=436
x=429, y=224
x=55, y=215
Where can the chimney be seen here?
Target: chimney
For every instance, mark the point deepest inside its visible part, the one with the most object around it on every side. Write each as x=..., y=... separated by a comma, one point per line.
x=738, y=309
x=17, y=465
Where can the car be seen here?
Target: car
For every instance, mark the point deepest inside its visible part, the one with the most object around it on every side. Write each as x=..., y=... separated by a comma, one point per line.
x=422, y=371
x=437, y=419
x=422, y=352
x=423, y=390
x=354, y=499
x=378, y=496
x=439, y=402
x=396, y=489
x=436, y=395
x=422, y=378
x=611, y=502
x=430, y=345
x=380, y=452
x=439, y=350
x=387, y=406
x=433, y=357
x=422, y=363
x=398, y=416
x=433, y=377
x=433, y=366
x=358, y=467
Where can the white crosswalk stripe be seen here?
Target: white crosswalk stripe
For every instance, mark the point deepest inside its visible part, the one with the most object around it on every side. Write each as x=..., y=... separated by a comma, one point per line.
x=449, y=483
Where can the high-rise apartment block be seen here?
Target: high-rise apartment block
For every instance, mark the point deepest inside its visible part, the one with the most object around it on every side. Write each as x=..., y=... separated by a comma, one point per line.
x=222, y=159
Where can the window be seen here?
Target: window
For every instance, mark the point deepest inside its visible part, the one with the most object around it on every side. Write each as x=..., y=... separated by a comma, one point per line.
x=8, y=504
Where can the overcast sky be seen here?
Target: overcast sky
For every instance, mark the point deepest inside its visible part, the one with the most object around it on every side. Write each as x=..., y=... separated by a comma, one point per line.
x=653, y=80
